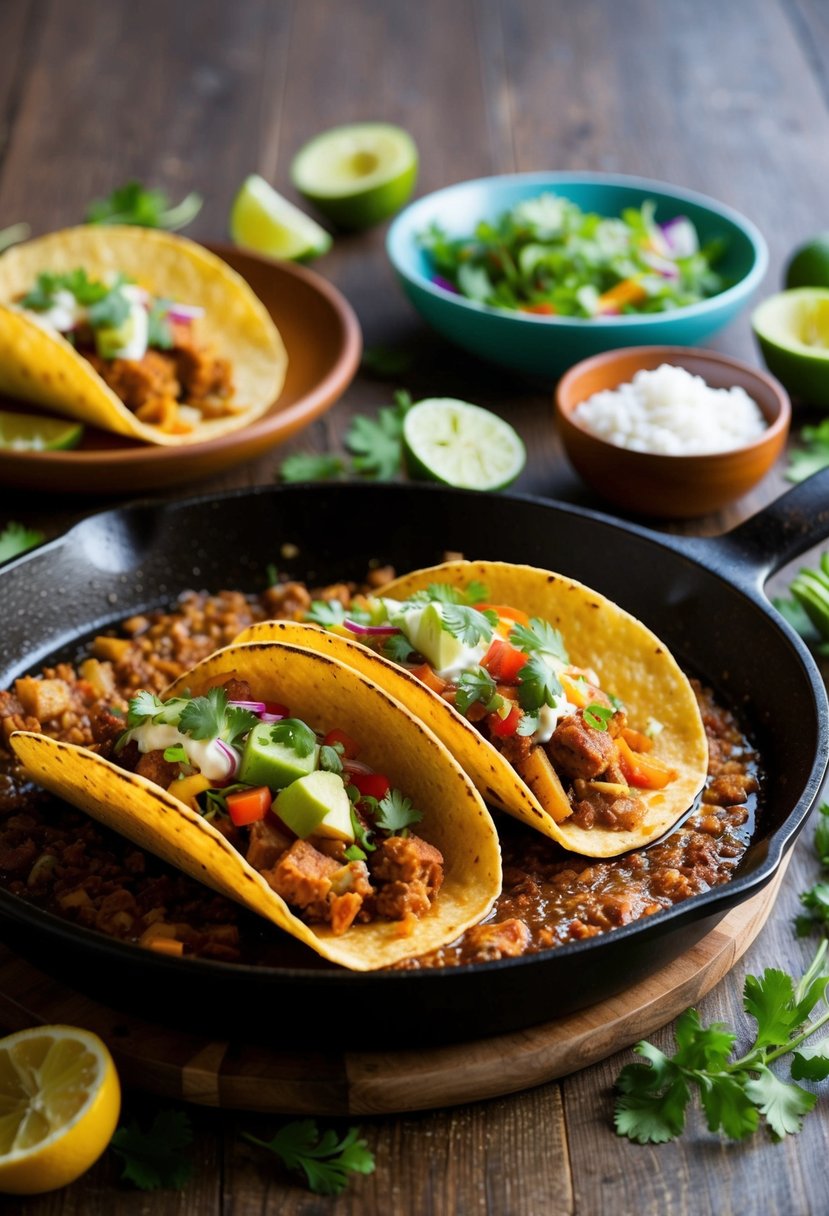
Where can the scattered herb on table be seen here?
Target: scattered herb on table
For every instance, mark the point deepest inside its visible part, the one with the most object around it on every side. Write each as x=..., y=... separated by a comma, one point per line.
x=325, y=1160
x=135, y=204
x=15, y=539
x=387, y=361
x=813, y=456
x=375, y=444
x=808, y=609
x=13, y=235
x=736, y=1094
x=816, y=899
x=156, y=1158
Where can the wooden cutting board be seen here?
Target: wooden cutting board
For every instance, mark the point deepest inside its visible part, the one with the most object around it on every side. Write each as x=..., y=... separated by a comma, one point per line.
x=244, y=1076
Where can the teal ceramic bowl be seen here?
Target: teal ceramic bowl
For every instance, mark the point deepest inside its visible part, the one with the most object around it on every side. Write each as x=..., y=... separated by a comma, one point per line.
x=547, y=346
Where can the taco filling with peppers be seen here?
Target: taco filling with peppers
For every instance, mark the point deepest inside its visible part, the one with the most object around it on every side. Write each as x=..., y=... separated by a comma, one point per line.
x=567, y=711
x=135, y=331
x=311, y=823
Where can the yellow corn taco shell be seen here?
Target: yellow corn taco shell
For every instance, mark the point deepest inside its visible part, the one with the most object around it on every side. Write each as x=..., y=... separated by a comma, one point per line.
x=326, y=694
x=629, y=659
x=39, y=365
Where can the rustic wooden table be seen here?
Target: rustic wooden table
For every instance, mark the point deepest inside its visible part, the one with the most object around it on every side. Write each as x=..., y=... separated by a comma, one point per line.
x=730, y=99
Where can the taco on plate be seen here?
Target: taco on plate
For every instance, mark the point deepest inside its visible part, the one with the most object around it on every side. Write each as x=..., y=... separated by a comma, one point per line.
x=136, y=331
x=289, y=782
x=565, y=710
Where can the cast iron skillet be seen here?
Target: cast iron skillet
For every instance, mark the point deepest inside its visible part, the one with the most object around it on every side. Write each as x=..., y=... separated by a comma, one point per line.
x=704, y=597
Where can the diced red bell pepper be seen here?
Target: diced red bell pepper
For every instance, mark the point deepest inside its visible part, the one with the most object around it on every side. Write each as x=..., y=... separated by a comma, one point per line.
x=644, y=772
x=351, y=749
x=248, y=806
x=370, y=785
x=544, y=308
x=503, y=661
x=502, y=728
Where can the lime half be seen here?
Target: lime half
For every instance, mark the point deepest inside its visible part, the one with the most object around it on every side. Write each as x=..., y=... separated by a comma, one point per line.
x=792, y=330
x=263, y=221
x=36, y=433
x=461, y=445
x=357, y=175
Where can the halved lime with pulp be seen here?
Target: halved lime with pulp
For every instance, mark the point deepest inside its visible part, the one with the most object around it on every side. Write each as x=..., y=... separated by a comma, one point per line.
x=461, y=445
x=792, y=329
x=357, y=175
x=263, y=221
x=37, y=433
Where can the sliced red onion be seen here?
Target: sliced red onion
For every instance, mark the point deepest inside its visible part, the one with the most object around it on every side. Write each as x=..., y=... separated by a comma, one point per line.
x=663, y=266
x=266, y=717
x=231, y=757
x=257, y=707
x=444, y=284
x=184, y=312
x=356, y=766
x=681, y=236
x=372, y=630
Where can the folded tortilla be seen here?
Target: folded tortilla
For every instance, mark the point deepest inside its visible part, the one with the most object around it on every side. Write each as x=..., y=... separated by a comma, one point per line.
x=629, y=659
x=39, y=365
x=328, y=695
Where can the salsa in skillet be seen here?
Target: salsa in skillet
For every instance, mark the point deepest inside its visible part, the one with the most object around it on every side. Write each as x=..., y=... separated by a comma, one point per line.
x=58, y=859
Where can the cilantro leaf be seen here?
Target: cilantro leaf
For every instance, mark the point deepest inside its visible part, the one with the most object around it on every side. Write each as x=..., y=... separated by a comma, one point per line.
x=159, y=329
x=133, y=204
x=468, y=624
x=477, y=685
x=311, y=466
x=203, y=717
x=237, y=722
x=110, y=312
x=15, y=539
x=296, y=734
x=816, y=901
x=326, y=613
x=156, y=1158
x=330, y=757
x=597, y=716
x=811, y=1063
x=782, y=1105
x=822, y=835
x=377, y=446
x=398, y=648
x=727, y=1106
x=805, y=461
x=770, y=1001
x=325, y=1160
x=395, y=813
x=538, y=684
x=142, y=706
x=539, y=635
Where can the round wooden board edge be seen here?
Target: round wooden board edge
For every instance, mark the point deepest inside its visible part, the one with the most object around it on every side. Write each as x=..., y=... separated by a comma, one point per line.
x=178, y=1065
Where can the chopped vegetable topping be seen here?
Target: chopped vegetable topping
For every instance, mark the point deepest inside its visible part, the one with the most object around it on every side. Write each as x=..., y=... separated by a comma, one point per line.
x=597, y=716
x=295, y=734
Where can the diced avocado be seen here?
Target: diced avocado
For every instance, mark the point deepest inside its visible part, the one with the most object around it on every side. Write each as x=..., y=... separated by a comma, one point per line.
x=316, y=805
x=265, y=762
x=427, y=633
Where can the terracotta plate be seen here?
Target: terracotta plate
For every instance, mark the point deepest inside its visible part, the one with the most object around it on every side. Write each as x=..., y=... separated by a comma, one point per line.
x=324, y=343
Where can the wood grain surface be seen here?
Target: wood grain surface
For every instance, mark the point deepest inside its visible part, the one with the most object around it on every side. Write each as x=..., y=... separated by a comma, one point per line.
x=728, y=98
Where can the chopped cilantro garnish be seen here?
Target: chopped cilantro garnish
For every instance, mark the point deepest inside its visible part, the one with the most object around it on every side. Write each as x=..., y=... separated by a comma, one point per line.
x=111, y=311
x=329, y=613
x=539, y=636
x=396, y=813
x=477, y=685
x=85, y=290
x=296, y=734
x=468, y=624
x=398, y=648
x=15, y=539
x=159, y=330
x=133, y=204
x=445, y=593
x=330, y=754
x=538, y=684
x=142, y=706
x=311, y=466
x=597, y=716
x=156, y=1158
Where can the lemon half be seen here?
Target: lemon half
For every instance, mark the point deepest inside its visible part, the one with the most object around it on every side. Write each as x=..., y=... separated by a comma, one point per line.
x=59, y=1105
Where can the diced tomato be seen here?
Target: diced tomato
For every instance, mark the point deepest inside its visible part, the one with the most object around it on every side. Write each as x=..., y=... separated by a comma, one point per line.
x=503, y=661
x=644, y=772
x=351, y=749
x=504, y=727
x=370, y=785
x=249, y=805
x=273, y=707
x=428, y=676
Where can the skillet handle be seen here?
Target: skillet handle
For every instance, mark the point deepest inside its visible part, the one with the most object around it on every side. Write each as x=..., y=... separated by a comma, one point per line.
x=787, y=527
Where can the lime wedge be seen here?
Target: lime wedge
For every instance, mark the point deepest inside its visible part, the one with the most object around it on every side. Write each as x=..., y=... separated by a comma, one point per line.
x=36, y=433
x=263, y=221
x=357, y=175
x=461, y=445
x=792, y=331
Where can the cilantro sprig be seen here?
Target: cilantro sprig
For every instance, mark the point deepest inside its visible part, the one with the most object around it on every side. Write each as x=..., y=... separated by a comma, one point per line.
x=156, y=1158
x=445, y=593
x=468, y=624
x=330, y=613
x=477, y=685
x=816, y=900
x=539, y=637
x=813, y=455
x=295, y=734
x=735, y=1093
x=538, y=684
x=324, y=1159
x=133, y=203
x=375, y=447
x=396, y=813
x=210, y=717
x=15, y=539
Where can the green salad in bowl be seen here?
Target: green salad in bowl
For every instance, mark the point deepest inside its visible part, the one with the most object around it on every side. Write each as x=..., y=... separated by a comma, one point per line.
x=547, y=256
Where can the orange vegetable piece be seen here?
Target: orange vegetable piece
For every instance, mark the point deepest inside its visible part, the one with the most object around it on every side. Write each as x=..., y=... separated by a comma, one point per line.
x=644, y=772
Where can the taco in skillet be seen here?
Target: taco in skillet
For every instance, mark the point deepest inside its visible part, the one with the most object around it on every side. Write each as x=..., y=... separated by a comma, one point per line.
x=566, y=711
x=136, y=331
x=289, y=782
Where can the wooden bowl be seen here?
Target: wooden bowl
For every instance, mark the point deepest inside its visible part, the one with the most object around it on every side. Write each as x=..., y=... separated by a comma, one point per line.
x=672, y=487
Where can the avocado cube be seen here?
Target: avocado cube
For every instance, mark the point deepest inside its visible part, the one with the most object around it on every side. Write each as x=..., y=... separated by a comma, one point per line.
x=266, y=762
x=316, y=805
